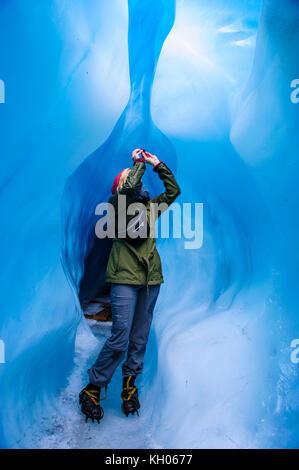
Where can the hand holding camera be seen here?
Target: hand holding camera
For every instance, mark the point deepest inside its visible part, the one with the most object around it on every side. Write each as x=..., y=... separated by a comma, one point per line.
x=137, y=153
x=150, y=158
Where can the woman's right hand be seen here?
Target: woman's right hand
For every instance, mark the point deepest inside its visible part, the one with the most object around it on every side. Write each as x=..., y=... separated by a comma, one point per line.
x=136, y=154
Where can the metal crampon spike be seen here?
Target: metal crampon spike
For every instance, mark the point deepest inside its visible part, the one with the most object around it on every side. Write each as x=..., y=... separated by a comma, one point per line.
x=90, y=406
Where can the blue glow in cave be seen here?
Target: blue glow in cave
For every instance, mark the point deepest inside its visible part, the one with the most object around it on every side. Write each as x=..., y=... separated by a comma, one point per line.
x=207, y=87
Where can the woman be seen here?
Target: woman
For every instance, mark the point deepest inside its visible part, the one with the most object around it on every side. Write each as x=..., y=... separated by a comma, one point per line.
x=135, y=273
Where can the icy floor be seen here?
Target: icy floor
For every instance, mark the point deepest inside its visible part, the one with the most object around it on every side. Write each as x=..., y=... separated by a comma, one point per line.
x=221, y=385
x=66, y=428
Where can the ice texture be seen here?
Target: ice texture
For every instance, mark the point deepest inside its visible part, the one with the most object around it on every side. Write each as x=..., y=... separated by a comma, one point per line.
x=207, y=87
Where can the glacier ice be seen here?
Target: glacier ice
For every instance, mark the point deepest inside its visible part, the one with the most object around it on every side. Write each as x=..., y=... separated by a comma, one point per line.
x=206, y=86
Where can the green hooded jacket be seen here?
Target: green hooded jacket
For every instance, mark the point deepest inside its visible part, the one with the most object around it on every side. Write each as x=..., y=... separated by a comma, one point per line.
x=140, y=264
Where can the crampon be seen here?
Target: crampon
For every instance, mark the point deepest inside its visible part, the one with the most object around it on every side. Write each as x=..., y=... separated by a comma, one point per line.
x=129, y=396
x=89, y=399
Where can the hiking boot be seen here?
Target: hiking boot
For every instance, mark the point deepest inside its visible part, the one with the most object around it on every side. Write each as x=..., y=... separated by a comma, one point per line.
x=130, y=396
x=89, y=399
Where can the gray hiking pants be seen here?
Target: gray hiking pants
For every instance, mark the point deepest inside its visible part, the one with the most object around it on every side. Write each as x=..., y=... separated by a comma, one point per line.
x=132, y=312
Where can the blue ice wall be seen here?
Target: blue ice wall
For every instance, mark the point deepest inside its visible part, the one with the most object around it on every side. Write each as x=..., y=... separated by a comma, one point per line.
x=91, y=184
x=57, y=62
x=194, y=83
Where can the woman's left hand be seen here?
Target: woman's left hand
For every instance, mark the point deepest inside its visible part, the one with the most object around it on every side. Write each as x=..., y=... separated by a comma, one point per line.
x=151, y=159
